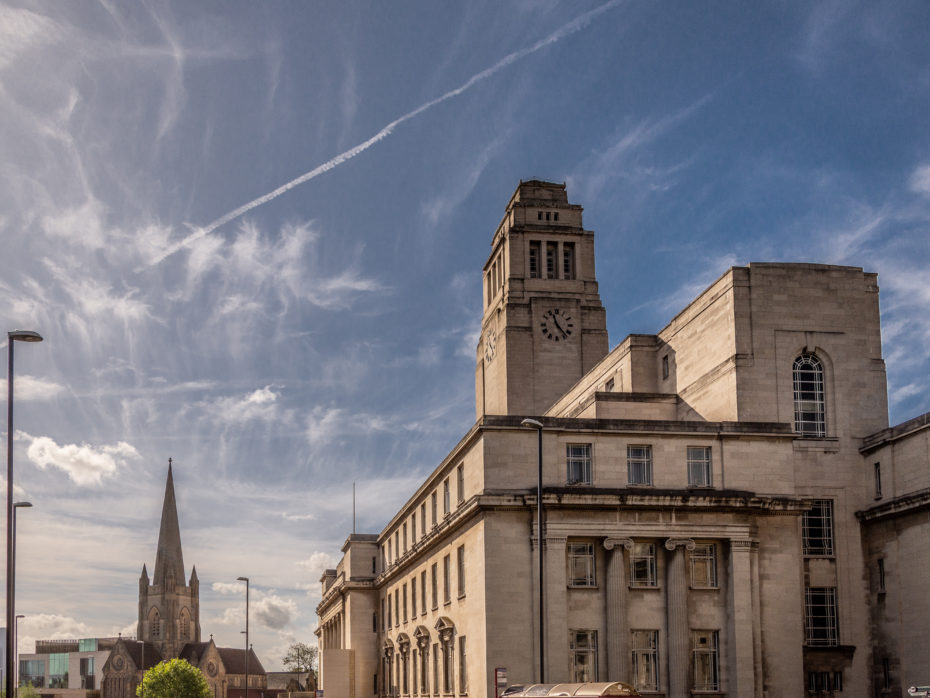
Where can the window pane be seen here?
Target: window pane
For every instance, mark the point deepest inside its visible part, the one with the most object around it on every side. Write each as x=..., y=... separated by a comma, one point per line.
x=639, y=465
x=706, y=664
x=581, y=564
x=578, y=464
x=583, y=648
x=643, y=565
x=817, y=528
x=699, y=466
x=704, y=566
x=809, y=417
x=822, y=629
x=644, y=645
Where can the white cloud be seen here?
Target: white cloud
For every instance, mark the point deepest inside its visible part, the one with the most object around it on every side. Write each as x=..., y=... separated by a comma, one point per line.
x=920, y=180
x=297, y=517
x=21, y=31
x=84, y=464
x=32, y=388
x=228, y=587
x=275, y=612
x=316, y=564
x=260, y=404
x=48, y=626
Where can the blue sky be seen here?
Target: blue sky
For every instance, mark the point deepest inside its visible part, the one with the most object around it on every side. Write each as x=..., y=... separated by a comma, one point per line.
x=252, y=235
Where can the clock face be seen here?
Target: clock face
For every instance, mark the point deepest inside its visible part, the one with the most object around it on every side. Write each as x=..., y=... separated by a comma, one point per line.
x=490, y=346
x=556, y=325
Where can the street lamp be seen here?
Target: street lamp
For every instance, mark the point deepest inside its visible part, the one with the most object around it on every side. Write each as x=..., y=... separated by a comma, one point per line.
x=533, y=424
x=16, y=653
x=14, y=336
x=246, y=580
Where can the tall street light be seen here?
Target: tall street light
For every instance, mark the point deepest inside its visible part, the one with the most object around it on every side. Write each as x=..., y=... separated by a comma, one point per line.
x=16, y=652
x=246, y=580
x=14, y=336
x=533, y=424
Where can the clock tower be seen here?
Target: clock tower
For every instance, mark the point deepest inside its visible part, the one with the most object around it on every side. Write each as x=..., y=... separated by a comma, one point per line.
x=543, y=326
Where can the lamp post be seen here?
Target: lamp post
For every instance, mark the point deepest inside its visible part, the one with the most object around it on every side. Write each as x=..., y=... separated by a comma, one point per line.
x=14, y=336
x=533, y=424
x=246, y=580
x=16, y=653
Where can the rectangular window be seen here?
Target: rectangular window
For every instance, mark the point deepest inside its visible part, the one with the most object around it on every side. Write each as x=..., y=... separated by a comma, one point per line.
x=704, y=648
x=405, y=537
x=555, y=215
x=704, y=566
x=396, y=607
x=699, y=466
x=665, y=367
x=581, y=565
x=881, y=575
x=389, y=615
x=460, y=559
x=643, y=565
x=578, y=464
x=817, y=529
x=878, y=480
x=886, y=673
x=434, y=583
x=382, y=614
x=837, y=680
x=463, y=673
x=568, y=260
x=423, y=520
x=390, y=553
x=413, y=598
x=413, y=673
x=435, y=668
x=433, y=504
x=460, y=483
x=423, y=592
x=535, y=270
x=397, y=543
x=374, y=565
x=446, y=504
x=551, y=251
x=645, y=655
x=413, y=528
x=820, y=620
x=639, y=465
x=446, y=581
x=583, y=650
x=374, y=622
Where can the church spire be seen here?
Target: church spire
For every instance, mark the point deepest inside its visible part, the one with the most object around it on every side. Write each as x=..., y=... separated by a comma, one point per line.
x=169, y=561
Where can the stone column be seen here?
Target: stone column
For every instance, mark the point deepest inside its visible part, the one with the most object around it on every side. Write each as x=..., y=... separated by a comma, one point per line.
x=743, y=623
x=676, y=596
x=618, y=651
x=556, y=610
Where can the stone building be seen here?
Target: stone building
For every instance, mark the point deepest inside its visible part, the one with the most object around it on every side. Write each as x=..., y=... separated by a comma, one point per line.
x=726, y=510
x=169, y=626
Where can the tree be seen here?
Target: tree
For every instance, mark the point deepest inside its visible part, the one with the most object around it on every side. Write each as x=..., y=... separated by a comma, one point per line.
x=174, y=679
x=300, y=657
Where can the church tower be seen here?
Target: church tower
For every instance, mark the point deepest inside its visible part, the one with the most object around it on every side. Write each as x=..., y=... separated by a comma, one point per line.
x=169, y=609
x=543, y=326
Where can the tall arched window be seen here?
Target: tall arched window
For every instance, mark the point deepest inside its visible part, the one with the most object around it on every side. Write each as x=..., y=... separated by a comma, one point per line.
x=809, y=417
x=185, y=624
x=155, y=622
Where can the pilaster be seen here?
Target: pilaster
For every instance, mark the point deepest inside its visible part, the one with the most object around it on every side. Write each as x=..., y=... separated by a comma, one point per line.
x=676, y=591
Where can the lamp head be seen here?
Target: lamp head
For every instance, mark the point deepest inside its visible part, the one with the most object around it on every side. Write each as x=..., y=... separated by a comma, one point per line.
x=22, y=504
x=531, y=423
x=242, y=579
x=24, y=336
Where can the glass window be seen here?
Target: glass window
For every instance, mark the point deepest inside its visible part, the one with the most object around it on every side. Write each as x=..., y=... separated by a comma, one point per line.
x=643, y=565
x=822, y=629
x=881, y=574
x=434, y=575
x=463, y=673
x=32, y=671
x=878, y=480
x=389, y=616
x=583, y=649
x=423, y=520
x=704, y=566
x=58, y=670
x=446, y=581
x=405, y=536
x=706, y=660
x=413, y=528
x=413, y=598
x=551, y=251
x=446, y=504
x=817, y=529
x=433, y=505
x=809, y=419
x=435, y=668
x=639, y=465
x=535, y=270
x=568, y=260
x=581, y=565
x=447, y=674
x=645, y=653
x=460, y=557
x=460, y=483
x=699, y=466
x=578, y=464
x=423, y=591
x=396, y=607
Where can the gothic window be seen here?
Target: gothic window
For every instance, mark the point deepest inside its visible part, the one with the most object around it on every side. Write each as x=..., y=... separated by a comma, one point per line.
x=154, y=623
x=809, y=418
x=184, y=624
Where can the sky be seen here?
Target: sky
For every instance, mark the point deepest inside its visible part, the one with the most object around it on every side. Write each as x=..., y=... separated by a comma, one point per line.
x=252, y=236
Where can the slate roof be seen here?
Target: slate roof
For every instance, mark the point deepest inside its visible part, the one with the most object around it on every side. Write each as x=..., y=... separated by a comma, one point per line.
x=234, y=661
x=151, y=654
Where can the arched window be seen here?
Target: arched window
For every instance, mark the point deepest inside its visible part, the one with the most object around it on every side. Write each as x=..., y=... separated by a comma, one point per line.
x=155, y=622
x=809, y=417
x=185, y=624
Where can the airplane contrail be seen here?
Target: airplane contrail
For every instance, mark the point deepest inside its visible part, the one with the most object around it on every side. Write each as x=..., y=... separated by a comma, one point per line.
x=575, y=25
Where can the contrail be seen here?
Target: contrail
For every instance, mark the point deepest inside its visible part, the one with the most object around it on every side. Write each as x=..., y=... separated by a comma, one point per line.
x=575, y=25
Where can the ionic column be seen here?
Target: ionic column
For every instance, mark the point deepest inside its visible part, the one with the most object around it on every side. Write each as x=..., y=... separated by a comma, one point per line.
x=618, y=654
x=676, y=599
x=743, y=626
x=556, y=609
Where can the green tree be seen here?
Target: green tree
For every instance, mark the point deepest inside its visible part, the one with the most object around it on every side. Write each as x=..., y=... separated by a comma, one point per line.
x=27, y=691
x=174, y=679
x=300, y=657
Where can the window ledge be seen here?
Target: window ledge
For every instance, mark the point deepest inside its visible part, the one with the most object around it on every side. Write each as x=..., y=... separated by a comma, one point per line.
x=584, y=587
x=694, y=588
x=461, y=596
x=644, y=588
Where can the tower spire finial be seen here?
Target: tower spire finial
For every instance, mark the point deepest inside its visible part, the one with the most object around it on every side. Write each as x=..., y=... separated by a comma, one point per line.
x=169, y=560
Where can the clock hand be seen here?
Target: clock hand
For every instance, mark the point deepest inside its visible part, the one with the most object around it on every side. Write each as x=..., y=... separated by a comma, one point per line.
x=555, y=321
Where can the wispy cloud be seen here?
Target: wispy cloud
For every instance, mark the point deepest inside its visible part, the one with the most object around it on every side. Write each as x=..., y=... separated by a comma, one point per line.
x=568, y=29
x=259, y=404
x=920, y=180
x=85, y=464
x=32, y=388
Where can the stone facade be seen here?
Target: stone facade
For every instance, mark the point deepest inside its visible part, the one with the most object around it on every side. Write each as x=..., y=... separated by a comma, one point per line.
x=710, y=520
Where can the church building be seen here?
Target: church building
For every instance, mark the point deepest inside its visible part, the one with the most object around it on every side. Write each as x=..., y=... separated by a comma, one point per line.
x=726, y=510
x=169, y=626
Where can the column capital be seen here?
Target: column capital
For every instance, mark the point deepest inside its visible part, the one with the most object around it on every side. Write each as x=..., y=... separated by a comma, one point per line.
x=673, y=543
x=611, y=543
x=743, y=544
